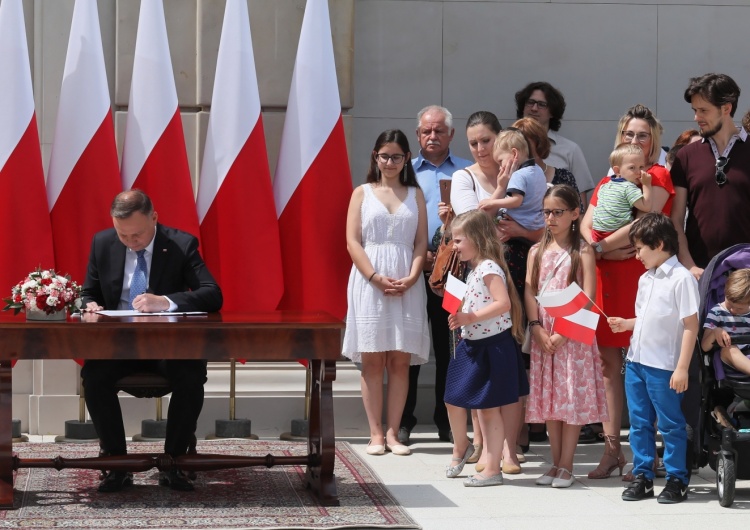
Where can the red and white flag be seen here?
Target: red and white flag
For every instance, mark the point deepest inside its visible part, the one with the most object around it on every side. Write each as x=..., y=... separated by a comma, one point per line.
x=83, y=168
x=565, y=302
x=580, y=326
x=239, y=226
x=312, y=185
x=154, y=157
x=455, y=290
x=25, y=231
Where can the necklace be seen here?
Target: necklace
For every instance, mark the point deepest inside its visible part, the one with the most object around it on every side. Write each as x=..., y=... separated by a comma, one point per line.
x=545, y=167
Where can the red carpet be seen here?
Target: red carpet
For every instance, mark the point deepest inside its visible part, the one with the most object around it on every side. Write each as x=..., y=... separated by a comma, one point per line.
x=255, y=497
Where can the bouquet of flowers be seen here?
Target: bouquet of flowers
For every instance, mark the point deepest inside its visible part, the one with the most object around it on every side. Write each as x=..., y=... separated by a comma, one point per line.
x=46, y=291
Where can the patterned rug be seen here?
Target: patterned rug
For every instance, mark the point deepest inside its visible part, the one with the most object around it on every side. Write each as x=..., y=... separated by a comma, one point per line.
x=255, y=497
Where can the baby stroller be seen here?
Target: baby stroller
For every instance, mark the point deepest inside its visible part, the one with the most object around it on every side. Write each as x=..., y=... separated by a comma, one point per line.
x=724, y=439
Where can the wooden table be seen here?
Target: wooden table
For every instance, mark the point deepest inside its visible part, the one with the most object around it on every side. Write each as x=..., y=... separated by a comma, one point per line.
x=270, y=336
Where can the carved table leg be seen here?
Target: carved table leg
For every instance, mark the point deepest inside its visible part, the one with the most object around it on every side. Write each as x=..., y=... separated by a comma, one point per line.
x=321, y=439
x=6, y=436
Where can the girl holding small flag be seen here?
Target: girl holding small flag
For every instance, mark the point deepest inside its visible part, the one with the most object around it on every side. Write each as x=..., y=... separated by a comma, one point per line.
x=487, y=371
x=565, y=379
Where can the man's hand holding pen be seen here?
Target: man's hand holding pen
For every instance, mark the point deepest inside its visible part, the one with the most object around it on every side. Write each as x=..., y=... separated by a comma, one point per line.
x=150, y=303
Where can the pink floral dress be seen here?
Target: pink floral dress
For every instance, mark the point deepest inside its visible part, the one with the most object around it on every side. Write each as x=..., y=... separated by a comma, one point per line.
x=567, y=386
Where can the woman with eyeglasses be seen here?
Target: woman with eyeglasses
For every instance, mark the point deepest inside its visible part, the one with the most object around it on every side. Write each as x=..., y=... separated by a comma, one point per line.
x=618, y=272
x=386, y=321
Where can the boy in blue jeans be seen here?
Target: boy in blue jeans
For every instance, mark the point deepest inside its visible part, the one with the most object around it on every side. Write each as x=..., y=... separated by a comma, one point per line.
x=656, y=373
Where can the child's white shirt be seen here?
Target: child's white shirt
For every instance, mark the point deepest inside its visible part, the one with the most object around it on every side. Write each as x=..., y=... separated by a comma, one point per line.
x=479, y=296
x=666, y=295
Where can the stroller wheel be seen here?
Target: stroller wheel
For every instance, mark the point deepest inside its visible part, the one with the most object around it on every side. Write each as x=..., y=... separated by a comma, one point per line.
x=726, y=475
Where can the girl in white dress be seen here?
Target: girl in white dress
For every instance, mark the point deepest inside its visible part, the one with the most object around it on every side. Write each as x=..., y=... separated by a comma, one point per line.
x=386, y=321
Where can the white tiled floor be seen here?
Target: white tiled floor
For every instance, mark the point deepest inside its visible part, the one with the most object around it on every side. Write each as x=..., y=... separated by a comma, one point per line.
x=418, y=483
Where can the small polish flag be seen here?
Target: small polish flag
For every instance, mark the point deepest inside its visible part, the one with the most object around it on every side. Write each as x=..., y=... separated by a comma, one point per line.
x=455, y=290
x=565, y=302
x=580, y=326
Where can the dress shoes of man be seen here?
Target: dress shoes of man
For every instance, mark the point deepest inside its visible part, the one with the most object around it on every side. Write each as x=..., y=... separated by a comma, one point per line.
x=403, y=436
x=445, y=435
x=115, y=481
x=175, y=480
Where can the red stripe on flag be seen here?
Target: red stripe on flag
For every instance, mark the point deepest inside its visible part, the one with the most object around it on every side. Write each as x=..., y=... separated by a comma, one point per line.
x=579, y=329
x=25, y=233
x=82, y=208
x=570, y=307
x=240, y=236
x=313, y=232
x=165, y=177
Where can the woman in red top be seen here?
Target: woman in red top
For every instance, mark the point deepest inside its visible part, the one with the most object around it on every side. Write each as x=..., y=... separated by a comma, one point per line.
x=618, y=271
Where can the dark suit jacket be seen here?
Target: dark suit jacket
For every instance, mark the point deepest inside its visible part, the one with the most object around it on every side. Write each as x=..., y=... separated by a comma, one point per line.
x=177, y=271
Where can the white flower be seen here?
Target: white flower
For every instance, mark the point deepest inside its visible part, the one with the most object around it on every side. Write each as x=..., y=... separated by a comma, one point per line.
x=51, y=301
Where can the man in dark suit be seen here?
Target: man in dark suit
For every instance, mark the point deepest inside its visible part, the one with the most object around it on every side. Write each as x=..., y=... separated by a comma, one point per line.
x=142, y=265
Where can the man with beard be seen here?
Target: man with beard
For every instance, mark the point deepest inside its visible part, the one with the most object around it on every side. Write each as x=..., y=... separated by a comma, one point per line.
x=712, y=188
x=433, y=164
x=712, y=177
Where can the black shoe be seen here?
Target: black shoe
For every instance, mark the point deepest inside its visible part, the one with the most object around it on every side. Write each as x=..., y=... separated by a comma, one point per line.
x=675, y=491
x=538, y=435
x=115, y=481
x=403, y=435
x=176, y=480
x=641, y=488
x=590, y=435
x=445, y=435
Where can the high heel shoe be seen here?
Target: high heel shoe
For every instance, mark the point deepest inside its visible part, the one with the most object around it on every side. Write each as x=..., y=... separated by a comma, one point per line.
x=477, y=454
x=611, y=460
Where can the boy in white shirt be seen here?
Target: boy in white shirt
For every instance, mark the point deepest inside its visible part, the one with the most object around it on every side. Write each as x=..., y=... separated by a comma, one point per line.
x=656, y=373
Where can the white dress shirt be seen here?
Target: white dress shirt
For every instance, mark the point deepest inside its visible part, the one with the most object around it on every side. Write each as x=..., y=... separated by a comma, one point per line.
x=666, y=295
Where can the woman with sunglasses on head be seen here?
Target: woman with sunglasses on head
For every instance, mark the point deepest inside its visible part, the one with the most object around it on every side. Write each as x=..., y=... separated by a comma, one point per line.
x=618, y=272
x=386, y=321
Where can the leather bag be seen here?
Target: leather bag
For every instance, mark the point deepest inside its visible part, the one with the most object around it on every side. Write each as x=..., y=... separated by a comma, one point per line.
x=446, y=261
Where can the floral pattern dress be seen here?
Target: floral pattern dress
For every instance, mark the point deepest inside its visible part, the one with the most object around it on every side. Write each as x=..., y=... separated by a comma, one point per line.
x=567, y=386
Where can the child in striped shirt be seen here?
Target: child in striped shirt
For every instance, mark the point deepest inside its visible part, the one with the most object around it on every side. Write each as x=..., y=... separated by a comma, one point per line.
x=727, y=319
x=618, y=197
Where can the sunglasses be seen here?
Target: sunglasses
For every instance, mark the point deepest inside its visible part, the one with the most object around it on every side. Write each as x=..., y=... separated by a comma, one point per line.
x=721, y=177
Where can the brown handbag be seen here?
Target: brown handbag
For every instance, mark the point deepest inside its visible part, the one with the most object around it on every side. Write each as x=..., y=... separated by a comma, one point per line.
x=446, y=261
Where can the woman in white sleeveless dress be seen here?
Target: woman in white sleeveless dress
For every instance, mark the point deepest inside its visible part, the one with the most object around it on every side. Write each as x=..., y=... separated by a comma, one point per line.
x=386, y=321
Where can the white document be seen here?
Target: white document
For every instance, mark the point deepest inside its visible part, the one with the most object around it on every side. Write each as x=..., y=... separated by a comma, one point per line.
x=133, y=313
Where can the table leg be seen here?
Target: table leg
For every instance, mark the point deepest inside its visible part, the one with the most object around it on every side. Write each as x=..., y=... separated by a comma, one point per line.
x=6, y=436
x=322, y=439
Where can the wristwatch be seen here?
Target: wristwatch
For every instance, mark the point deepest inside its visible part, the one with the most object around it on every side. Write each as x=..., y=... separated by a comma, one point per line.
x=597, y=247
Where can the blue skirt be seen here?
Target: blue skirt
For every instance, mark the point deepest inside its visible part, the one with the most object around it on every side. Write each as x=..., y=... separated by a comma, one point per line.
x=486, y=373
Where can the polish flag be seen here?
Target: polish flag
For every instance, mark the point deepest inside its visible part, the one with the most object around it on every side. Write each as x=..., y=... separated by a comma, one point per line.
x=154, y=157
x=25, y=231
x=455, y=290
x=239, y=226
x=312, y=185
x=565, y=302
x=83, y=169
x=580, y=326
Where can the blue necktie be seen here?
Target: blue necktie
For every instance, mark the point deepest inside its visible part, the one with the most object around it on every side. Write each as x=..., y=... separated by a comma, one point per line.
x=140, y=277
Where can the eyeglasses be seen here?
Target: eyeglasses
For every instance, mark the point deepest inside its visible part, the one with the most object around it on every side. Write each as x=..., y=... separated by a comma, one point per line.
x=721, y=177
x=541, y=104
x=556, y=212
x=385, y=157
x=641, y=137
